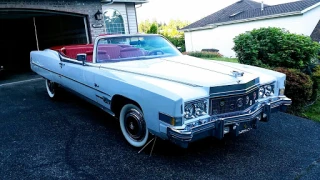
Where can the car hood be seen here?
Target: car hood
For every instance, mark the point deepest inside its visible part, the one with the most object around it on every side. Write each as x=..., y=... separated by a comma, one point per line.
x=185, y=70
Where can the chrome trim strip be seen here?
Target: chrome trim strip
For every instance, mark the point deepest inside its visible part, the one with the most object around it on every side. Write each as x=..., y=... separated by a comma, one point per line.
x=237, y=92
x=196, y=100
x=71, y=79
x=69, y=60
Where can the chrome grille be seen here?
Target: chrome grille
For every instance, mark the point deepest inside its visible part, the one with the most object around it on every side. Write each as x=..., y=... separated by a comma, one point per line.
x=228, y=104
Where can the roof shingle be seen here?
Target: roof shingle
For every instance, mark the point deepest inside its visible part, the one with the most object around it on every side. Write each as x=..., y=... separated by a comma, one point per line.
x=251, y=9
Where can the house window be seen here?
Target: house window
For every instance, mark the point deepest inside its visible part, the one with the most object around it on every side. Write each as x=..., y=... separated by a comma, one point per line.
x=114, y=22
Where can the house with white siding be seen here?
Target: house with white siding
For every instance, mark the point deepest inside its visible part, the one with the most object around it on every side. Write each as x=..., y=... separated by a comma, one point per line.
x=218, y=30
x=120, y=17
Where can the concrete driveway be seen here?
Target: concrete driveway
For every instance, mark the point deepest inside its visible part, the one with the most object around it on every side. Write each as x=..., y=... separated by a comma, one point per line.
x=71, y=139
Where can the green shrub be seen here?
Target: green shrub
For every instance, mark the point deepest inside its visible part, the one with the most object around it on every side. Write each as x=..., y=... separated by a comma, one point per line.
x=275, y=47
x=316, y=72
x=316, y=79
x=315, y=88
x=177, y=41
x=298, y=87
x=205, y=54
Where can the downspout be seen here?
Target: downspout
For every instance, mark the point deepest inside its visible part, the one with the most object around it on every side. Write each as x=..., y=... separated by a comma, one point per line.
x=135, y=12
x=128, y=19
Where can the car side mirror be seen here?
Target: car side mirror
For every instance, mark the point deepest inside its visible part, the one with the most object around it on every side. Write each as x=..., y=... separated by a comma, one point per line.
x=180, y=49
x=82, y=57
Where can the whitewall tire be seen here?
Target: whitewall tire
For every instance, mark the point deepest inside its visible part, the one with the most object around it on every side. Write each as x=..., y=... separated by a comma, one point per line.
x=51, y=89
x=133, y=125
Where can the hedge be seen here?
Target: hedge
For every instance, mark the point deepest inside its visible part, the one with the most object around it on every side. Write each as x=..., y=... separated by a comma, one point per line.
x=299, y=87
x=275, y=47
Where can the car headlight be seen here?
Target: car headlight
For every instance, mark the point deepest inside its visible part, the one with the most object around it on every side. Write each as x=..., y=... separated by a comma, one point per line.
x=195, y=109
x=266, y=91
x=261, y=92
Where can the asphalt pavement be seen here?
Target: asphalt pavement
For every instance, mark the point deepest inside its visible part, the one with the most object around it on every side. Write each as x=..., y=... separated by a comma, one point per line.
x=71, y=139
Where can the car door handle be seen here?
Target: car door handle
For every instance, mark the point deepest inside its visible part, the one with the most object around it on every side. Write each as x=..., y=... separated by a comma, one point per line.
x=61, y=64
x=96, y=85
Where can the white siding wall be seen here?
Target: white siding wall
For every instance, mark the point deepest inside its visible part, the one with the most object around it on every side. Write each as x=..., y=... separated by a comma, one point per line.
x=197, y=40
x=121, y=7
x=132, y=18
x=222, y=37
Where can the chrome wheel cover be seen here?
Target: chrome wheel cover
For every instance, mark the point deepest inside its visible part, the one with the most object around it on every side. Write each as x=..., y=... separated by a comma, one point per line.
x=135, y=125
x=51, y=86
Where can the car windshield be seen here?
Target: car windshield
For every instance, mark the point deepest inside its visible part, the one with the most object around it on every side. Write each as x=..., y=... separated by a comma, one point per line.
x=126, y=48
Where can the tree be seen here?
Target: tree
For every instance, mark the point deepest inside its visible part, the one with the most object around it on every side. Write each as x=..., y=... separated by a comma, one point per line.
x=145, y=25
x=153, y=29
x=170, y=30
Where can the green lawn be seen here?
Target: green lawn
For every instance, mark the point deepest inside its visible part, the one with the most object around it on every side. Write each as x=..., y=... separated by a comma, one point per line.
x=234, y=60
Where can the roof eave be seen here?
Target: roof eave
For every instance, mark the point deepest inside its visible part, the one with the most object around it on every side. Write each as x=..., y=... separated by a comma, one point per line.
x=260, y=18
x=243, y=20
x=310, y=8
x=210, y=26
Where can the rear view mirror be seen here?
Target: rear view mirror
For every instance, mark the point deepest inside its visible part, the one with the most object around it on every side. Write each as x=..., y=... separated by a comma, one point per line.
x=82, y=57
x=180, y=49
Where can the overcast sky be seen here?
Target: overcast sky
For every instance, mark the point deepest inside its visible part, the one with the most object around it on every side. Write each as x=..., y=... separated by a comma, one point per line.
x=189, y=10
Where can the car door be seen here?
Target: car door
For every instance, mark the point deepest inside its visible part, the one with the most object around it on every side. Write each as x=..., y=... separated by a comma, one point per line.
x=104, y=82
x=78, y=77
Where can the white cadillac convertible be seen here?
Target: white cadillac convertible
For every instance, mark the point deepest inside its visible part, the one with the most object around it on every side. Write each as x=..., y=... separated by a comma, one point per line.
x=145, y=82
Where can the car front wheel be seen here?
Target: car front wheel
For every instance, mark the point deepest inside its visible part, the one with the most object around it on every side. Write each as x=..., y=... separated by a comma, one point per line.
x=51, y=89
x=133, y=125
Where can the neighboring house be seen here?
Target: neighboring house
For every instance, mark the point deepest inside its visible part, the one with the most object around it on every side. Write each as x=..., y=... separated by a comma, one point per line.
x=219, y=29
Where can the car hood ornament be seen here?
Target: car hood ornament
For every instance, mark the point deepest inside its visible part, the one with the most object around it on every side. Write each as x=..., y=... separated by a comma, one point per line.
x=237, y=74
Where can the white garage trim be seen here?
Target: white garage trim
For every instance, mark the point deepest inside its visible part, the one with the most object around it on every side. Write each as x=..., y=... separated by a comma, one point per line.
x=35, y=32
x=86, y=27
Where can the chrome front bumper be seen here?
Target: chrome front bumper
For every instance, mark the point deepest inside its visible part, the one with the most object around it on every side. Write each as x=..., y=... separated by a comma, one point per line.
x=219, y=125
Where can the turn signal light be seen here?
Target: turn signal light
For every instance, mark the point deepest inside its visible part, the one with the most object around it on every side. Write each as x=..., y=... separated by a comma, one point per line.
x=281, y=92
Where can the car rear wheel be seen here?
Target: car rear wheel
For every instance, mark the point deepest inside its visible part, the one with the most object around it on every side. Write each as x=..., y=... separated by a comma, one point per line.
x=133, y=125
x=51, y=89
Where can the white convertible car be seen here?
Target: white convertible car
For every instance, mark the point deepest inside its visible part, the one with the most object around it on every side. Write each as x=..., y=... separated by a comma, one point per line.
x=153, y=89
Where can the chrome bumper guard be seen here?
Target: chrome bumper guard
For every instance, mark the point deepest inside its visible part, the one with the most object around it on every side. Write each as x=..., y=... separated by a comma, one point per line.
x=219, y=125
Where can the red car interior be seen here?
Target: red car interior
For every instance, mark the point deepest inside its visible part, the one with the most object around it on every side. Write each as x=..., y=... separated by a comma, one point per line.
x=105, y=51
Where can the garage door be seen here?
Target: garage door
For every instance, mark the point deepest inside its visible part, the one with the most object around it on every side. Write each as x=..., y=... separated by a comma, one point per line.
x=22, y=32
